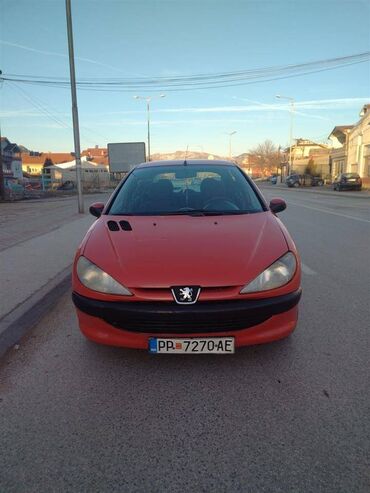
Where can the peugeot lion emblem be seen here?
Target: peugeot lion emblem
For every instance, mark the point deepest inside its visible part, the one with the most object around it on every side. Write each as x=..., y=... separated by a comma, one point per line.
x=185, y=295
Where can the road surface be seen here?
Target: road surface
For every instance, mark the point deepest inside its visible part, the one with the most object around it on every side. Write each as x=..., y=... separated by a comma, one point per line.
x=292, y=416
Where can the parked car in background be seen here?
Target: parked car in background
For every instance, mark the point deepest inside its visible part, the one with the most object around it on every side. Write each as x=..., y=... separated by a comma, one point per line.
x=347, y=181
x=31, y=185
x=296, y=180
x=67, y=185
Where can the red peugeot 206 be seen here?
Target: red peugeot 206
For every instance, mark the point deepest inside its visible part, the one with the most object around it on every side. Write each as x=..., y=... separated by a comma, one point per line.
x=187, y=257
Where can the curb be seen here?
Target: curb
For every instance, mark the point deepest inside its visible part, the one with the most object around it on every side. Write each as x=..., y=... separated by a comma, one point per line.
x=15, y=324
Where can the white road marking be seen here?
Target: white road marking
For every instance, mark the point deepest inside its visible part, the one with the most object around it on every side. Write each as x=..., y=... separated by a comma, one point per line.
x=331, y=212
x=307, y=270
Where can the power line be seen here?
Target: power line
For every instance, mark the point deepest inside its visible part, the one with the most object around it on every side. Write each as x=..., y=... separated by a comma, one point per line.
x=38, y=105
x=250, y=72
x=195, y=81
x=42, y=107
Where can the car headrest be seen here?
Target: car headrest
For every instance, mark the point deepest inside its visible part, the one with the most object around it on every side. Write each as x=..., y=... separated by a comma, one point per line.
x=163, y=187
x=210, y=186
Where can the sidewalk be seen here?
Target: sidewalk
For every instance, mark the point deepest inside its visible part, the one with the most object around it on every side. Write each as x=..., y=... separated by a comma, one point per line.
x=27, y=267
x=23, y=220
x=35, y=271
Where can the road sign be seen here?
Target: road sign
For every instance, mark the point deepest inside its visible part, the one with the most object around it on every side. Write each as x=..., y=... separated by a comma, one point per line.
x=125, y=155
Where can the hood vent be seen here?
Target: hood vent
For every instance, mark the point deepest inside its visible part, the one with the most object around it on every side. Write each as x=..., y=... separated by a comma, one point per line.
x=125, y=225
x=113, y=226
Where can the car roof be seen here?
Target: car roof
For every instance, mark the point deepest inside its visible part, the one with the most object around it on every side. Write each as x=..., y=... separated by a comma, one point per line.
x=185, y=162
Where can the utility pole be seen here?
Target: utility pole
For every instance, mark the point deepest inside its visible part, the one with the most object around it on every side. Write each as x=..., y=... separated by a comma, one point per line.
x=76, y=130
x=148, y=113
x=2, y=187
x=291, y=136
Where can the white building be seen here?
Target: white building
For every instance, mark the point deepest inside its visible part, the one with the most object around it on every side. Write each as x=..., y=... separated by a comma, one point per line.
x=92, y=175
x=351, y=143
x=11, y=158
x=359, y=145
x=306, y=152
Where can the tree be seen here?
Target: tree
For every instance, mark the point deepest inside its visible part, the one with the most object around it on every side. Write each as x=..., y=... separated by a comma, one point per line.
x=48, y=162
x=311, y=167
x=267, y=156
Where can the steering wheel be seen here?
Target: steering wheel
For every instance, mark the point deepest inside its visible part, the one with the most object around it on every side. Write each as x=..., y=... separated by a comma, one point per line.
x=218, y=203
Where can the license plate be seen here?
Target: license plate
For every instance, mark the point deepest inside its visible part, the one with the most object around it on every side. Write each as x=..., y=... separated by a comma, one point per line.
x=207, y=345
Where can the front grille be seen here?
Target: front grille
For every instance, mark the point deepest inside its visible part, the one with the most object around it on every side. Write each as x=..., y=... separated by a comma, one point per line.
x=171, y=318
x=179, y=323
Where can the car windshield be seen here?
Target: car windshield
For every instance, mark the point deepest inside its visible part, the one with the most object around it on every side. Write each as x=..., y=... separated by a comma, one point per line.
x=351, y=175
x=186, y=189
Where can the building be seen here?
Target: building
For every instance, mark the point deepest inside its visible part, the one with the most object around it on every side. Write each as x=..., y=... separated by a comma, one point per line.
x=338, y=153
x=351, y=147
x=358, y=160
x=11, y=158
x=307, y=154
x=98, y=155
x=250, y=164
x=33, y=162
x=92, y=175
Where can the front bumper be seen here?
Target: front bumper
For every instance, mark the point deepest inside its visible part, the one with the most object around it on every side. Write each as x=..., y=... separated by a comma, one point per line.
x=131, y=323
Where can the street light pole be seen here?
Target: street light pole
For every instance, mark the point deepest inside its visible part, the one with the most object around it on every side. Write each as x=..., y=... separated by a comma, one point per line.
x=2, y=185
x=148, y=115
x=230, y=134
x=292, y=101
x=76, y=131
x=148, y=100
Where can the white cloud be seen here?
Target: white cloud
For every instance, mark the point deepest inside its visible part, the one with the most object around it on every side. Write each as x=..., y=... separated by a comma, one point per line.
x=325, y=104
x=54, y=53
x=26, y=113
x=191, y=121
x=256, y=107
x=36, y=125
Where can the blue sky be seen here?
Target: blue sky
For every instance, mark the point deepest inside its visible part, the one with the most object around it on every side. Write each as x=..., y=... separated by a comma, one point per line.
x=163, y=38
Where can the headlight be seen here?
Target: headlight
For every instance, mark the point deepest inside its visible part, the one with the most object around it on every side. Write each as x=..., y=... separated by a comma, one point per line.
x=96, y=279
x=278, y=274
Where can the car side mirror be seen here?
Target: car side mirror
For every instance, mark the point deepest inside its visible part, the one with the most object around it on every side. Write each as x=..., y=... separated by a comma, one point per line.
x=277, y=205
x=96, y=209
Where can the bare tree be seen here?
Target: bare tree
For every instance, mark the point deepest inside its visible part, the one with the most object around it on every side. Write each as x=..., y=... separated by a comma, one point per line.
x=311, y=167
x=48, y=162
x=267, y=156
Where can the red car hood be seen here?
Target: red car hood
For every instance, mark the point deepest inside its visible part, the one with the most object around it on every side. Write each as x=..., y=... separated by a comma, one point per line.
x=164, y=251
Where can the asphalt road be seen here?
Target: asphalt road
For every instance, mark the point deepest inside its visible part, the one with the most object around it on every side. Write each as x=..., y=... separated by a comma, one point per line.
x=292, y=416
